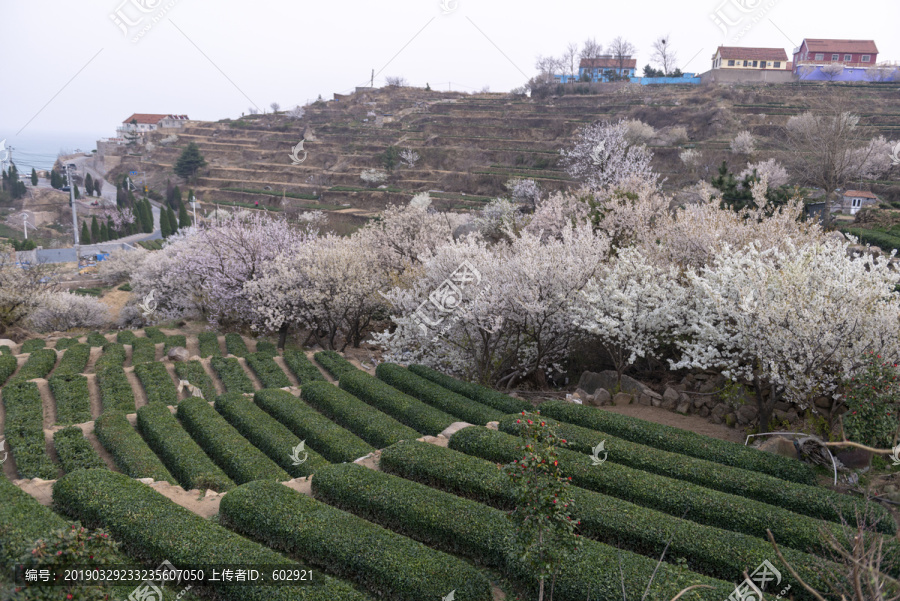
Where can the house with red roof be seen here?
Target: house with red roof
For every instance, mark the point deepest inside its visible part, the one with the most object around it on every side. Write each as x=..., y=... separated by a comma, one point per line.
x=816, y=59
x=142, y=123
x=854, y=200
x=737, y=57
x=606, y=67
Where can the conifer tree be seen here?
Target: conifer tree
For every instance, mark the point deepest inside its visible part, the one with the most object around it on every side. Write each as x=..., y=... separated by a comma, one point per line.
x=85, y=233
x=95, y=230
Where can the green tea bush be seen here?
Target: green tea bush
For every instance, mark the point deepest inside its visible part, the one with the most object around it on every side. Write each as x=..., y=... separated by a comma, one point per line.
x=302, y=368
x=157, y=383
x=130, y=453
x=75, y=452
x=233, y=377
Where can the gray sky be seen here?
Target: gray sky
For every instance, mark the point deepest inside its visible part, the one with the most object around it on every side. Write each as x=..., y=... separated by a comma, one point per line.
x=78, y=73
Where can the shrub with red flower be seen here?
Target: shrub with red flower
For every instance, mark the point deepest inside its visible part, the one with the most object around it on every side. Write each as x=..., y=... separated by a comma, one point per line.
x=545, y=530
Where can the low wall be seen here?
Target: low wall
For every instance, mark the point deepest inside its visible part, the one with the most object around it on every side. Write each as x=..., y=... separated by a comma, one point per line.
x=746, y=76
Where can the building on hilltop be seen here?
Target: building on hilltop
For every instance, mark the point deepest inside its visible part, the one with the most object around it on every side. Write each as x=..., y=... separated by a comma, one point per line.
x=736, y=57
x=815, y=59
x=602, y=69
x=141, y=123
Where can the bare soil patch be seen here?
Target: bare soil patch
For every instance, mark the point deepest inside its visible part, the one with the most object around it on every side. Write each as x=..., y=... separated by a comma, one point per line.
x=693, y=423
x=140, y=396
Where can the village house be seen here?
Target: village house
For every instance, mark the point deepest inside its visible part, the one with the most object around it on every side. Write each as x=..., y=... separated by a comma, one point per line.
x=854, y=200
x=856, y=56
x=736, y=57
x=141, y=123
x=606, y=67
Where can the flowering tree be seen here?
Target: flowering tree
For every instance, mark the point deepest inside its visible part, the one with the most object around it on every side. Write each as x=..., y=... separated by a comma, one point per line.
x=62, y=311
x=874, y=159
x=776, y=175
x=409, y=157
x=639, y=132
x=560, y=211
x=691, y=158
x=602, y=157
x=545, y=530
x=743, y=143
x=506, y=318
x=631, y=306
x=499, y=218
x=328, y=285
x=524, y=191
x=373, y=177
x=121, y=265
x=790, y=322
x=21, y=289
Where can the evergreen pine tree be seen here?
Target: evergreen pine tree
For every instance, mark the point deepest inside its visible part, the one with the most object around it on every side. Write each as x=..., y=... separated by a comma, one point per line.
x=104, y=233
x=189, y=162
x=88, y=185
x=176, y=198
x=95, y=230
x=34, y=177
x=55, y=179
x=111, y=229
x=184, y=220
x=121, y=198
x=173, y=220
x=170, y=192
x=77, y=193
x=164, y=228
x=85, y=233
x=146, y=216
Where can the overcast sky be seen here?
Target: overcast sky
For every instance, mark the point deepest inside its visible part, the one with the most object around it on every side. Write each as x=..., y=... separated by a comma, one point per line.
x=70, y=69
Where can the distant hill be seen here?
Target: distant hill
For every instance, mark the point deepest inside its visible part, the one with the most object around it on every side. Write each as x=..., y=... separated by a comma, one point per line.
x=470, y=145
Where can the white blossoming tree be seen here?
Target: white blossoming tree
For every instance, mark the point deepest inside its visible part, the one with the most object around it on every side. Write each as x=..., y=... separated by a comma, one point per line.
x=775, y=174
x=743, y=143
x=631, y=307
x=790, y=322
x=602, y=157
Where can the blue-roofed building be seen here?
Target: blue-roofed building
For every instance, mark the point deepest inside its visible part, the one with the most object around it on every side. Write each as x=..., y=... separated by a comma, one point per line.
x=601, y=69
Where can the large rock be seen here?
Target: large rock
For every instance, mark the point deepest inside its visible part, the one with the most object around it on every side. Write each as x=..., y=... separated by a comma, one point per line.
x=683, y=408
x=670, y=398
x=718, y=413
x=730, y=420
x=704, y=411
x=622, y=398
x=590, y=381
x=7, y=342
x=178, y=354
x=599, y=398
x=780, y=446
x=746, y=414
x=650, y=398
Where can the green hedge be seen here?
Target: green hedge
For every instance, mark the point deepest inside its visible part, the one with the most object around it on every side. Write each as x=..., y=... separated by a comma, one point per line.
x=115, y=389
x=437, y=396
x=808, y=500
x=74, y=360
x=129, y=451
x=242, y=461
x=33, y=344
x=5, y=350
x=209, y=344
x=113, y=356
x=96, y=339
x=64, y=343
x=8, y=365
x=233, y=376
x=268, y=434
x=706, y=549
x=181, y=455
x=331, y=440
x=334, y=363
x=157, y=383
x=39, y=364
x=24, y=429
x=75, y=452
x=387, y=564
x=675, y=497
x=404, y=408
x=125, y=337
x=483, y=534
x=268, y=372
x=73, y=400
x=302, y=368
x=143, y=350
x=193, y=372
x=154, y=334
x=22, y=521
x=476, y=392
x=266, y=347
x=235, y=345
x=173, y=341
x=681, y=441
x=127, y=508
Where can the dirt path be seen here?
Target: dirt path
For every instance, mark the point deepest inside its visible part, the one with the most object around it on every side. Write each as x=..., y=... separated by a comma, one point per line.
x=129, y=353
x=291, y=377
x=170, y=367
x=51, y=450
x=48, y=403
x=256, y=383
x=692, y=423
x=140, y=397
x=96, y=353
x=94, y=392
x=220, y=389
x=222, y=349
x=192, y=346
x=311, y=356
x=250, y=342
x=88, y=429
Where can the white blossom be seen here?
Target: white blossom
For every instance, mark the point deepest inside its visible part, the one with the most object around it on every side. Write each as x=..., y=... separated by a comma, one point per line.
x=602, y=157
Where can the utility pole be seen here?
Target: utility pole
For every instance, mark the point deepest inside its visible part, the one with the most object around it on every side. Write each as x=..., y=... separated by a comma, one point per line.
x=70, y=181
x=372, y=83
x=25, y=221
x=194, y=206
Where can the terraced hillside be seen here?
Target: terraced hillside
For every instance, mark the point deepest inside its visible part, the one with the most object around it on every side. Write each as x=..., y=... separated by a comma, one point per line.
x=386, y=480
x=470, y=145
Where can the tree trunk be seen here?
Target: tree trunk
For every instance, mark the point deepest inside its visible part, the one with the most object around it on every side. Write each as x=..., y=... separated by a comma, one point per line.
x=764, y=407
x=282, y=335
